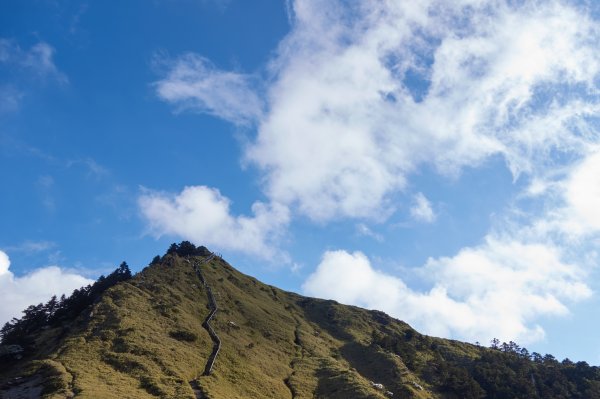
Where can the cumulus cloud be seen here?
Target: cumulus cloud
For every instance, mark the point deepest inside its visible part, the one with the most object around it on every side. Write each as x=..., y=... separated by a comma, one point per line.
x=16, y=293
x=363, y=94
x=194, y=83
x=201, y=214
x=422, y=210
x=496, y=80
x=497, y=289
x=582, y=192
x=569, y=196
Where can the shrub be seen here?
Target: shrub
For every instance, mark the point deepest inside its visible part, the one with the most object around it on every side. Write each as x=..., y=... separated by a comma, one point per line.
x=183, y=335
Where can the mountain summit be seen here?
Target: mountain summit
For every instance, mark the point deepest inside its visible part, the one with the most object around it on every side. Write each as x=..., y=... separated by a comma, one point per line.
x=191, y=326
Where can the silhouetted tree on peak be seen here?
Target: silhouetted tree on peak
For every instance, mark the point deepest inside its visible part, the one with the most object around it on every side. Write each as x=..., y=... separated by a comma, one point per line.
x=173, y=248
x=186, y=248
x=123, y=271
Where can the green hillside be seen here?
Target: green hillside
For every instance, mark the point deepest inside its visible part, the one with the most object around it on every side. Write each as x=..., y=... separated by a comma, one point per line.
x=144, y=338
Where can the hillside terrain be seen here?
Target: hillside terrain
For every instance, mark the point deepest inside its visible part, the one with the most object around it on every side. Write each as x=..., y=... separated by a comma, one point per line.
x=156, y=334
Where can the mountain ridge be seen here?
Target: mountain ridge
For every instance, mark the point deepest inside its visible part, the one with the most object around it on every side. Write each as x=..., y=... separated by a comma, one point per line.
x=147, y=337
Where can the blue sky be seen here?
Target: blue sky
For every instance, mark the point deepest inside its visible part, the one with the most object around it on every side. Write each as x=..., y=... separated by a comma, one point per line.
x=438, y=162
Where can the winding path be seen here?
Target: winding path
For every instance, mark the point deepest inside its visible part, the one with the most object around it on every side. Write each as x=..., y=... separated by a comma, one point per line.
x=212, y=303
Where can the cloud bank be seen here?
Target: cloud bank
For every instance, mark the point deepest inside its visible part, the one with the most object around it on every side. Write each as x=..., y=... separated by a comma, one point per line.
x=35, y=287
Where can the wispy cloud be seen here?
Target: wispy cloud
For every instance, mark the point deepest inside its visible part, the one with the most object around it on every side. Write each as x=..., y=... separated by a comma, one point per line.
x=31, y=246
x=194, y=83
x=366, y=231
x=89, y=165
x=38, y=60
x=45, y=186
x=10, y=98
x=21, y=67
x=92, y=166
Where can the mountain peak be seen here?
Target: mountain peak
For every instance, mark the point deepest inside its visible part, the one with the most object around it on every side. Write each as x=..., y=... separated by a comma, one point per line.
x=191, y=326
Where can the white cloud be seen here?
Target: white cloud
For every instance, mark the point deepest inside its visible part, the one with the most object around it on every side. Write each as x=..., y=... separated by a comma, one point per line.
x=485, y=80
x=4, y=263
x=202, y=215
x=497, y=289
x=569, y=213
x=194, y=83
x=16, y=293
x=582, y=193
x=421, y=210
x=360, y=95
x=349, y=278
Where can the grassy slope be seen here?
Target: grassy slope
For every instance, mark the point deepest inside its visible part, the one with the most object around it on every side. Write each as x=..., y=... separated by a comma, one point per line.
x=275, y=344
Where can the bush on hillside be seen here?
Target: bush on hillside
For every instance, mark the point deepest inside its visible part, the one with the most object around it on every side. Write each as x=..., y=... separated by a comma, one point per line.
x=183, y=335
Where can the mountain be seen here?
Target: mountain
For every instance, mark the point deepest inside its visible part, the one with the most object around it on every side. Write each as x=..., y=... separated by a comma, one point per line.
x=156, y=334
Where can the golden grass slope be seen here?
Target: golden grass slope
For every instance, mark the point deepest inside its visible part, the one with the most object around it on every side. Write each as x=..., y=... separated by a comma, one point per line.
x=144, y=339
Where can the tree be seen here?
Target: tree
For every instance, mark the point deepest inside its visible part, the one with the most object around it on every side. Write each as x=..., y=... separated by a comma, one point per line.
x=20, y=331
x=123, y=271
x=186, y=248
x=50, y=307
x=536, y=357
x=495, y=343
x=173, y=248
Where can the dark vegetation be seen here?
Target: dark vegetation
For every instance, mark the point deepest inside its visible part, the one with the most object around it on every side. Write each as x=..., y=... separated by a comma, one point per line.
x=504, y=371
x=186, y=248
x=183, y=335
x=143, y=338
x=56, y=311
